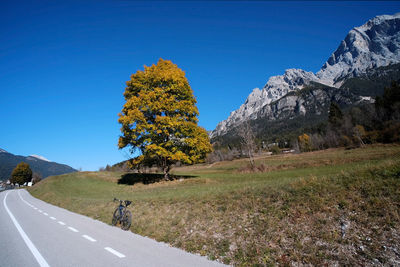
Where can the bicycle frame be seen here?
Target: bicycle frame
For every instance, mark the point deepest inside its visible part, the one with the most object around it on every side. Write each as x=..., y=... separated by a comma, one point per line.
x=121, y=209
x=122, y=214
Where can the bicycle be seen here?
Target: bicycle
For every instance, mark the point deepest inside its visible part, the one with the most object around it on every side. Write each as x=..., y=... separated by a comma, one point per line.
x=122, y=215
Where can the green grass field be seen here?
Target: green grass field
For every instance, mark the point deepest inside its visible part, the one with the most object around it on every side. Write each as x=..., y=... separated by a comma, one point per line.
x=328, y=207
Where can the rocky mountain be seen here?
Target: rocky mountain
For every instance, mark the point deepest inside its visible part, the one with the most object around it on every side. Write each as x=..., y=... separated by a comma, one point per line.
x=370, y=46
x=306, y=109
x=37, y=163
x=276, y=87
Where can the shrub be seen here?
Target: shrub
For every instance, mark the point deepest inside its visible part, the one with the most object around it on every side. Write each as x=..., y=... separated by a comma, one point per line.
x=345, y=141
x=275, y=150
x=36, y=177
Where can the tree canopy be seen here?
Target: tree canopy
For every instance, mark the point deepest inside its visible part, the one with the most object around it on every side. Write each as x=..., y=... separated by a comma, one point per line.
x=159, y=118
x=388, y=105
x=335, y=114
x=21, y=174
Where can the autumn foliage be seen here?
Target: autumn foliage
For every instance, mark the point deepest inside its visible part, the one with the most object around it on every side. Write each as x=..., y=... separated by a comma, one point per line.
x=304, y=142
x=159, y=118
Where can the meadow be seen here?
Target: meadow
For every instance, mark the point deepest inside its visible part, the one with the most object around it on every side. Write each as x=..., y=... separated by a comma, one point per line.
x=335, y=206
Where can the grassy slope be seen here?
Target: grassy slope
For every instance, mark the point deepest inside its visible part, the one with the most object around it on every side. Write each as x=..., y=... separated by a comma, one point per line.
x=296, y=212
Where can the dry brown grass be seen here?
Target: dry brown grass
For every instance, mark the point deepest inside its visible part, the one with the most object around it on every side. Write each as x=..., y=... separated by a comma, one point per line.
x=291, y=214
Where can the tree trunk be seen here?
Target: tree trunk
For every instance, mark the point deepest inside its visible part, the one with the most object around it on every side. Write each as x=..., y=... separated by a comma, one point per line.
x=360, y=140
x=166, y=170
x=251, y=158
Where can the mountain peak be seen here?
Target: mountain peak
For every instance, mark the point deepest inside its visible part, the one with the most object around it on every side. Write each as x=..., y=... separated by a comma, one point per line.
x=373, y=44
x=377, y=20
x=40, y=157
x=280, y=85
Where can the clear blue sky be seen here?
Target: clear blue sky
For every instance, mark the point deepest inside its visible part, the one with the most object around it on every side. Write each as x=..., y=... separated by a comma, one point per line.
x=63, y=65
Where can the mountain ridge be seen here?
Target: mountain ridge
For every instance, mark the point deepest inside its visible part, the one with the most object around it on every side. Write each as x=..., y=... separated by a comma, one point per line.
x=9, y=161
x=374, y=44
x=39, y=157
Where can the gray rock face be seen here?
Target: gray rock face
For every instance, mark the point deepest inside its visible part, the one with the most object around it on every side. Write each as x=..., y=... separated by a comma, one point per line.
x=314, y=101
x=372, y=45
x=276, y=87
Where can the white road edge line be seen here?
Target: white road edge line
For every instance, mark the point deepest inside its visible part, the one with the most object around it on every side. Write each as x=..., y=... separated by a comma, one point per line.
x=62, y=223
x=116, y=253
x=53, y=218
x=44, y=213
x=89, y=238
x=72, y=229
x=27, y=203
x=42, y=262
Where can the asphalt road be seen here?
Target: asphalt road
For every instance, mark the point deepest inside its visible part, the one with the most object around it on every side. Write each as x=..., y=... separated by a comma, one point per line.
x=35, y=233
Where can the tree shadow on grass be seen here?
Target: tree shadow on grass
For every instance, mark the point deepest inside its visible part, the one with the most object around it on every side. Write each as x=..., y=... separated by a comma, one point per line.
x=147, y=178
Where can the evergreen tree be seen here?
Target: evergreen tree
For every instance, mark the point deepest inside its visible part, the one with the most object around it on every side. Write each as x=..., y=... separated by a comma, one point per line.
x=335, y=115
x=388, y=105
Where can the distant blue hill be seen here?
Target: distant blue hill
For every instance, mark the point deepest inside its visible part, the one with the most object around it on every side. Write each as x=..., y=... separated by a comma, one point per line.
x=39, y=165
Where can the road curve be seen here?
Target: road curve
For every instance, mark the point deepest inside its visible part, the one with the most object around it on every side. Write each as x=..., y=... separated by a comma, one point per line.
x=35, y=233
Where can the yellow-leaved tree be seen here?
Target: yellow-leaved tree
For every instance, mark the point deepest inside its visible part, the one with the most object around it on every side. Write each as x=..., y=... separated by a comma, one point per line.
x=159, y=118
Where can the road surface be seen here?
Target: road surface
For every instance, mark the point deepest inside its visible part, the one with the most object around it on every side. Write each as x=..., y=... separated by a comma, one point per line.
x=35, y=233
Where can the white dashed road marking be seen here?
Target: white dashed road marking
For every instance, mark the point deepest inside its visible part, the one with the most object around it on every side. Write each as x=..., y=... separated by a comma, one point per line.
x=116, y=253
x=89, y=238
x=42, y=262
x=72, y=229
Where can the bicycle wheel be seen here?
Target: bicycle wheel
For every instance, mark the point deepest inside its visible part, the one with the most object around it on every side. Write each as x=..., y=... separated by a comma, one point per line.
x=126, y=220
x=115, y=217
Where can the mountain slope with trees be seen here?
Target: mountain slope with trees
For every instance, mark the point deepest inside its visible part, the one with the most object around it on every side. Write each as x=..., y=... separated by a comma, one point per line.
x=9, y=161
x=304, y=110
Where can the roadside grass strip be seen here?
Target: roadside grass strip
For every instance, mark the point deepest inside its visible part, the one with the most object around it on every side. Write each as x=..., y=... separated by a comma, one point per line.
x=276, y=215
x=91, y=239
x=116, y=253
